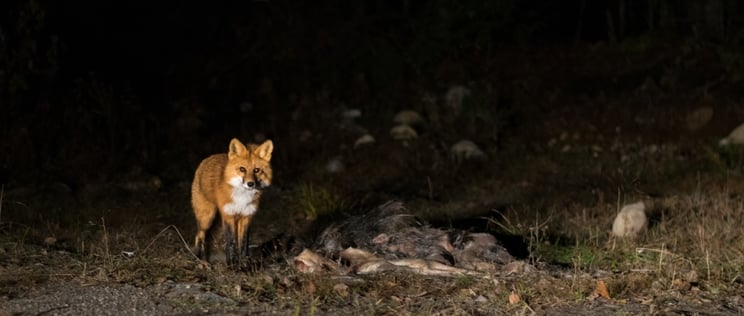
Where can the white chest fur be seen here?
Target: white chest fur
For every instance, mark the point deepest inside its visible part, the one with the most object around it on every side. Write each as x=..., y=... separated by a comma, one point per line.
x=242, y=200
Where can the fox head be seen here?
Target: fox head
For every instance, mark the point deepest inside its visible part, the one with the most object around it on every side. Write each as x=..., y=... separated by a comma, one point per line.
x=249, y=166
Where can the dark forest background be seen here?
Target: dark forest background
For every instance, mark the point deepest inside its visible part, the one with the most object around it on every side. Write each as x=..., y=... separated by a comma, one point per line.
x=91, y=90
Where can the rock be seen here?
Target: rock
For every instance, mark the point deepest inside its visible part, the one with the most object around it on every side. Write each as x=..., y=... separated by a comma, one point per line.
x=631, y=220
x=403, y=132
x=466, y=150
x=363, y=140
x=408, y=117
x=455, y=97
x=50, y=241
x=699, y=118
x=351, y=114
x=348, y=121
x=335, y=165
x=736, y=137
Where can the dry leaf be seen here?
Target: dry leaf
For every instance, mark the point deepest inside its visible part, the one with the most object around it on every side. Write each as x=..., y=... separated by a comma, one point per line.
x=514, y=298
x=310, y=288
x=50, y=241
x=601, y=289
x=310, y=262
x=681, y=285
x=341, y=289
x=515, y=267
x=645, y=300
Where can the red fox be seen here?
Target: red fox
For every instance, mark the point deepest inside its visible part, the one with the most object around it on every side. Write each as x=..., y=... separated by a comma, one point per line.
x=230, y=183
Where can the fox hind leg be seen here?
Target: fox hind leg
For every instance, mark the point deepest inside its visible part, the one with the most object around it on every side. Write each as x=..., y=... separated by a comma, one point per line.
x=204, y=218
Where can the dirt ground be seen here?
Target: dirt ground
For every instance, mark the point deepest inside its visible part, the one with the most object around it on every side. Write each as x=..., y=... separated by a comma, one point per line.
x=565, y=144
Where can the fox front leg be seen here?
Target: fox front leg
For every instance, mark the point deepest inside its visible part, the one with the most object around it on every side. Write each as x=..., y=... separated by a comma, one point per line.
x=244, y=245
x=242, y=227
x=231, y=255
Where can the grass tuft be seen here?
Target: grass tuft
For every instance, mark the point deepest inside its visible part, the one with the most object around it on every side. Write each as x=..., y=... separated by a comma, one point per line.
x=318, y=201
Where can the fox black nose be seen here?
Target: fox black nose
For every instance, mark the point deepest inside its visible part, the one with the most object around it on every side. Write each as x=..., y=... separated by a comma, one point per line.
x=250, y=184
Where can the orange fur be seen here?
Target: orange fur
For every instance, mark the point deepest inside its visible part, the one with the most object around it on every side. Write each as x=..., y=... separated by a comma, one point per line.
x=231, y=184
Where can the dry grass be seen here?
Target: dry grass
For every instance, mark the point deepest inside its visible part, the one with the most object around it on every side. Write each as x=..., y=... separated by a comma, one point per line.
x=692, y=251
x=559, y=194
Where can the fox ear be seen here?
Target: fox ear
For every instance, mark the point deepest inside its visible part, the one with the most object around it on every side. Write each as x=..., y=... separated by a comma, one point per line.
x=237, y=149
x=264, y=150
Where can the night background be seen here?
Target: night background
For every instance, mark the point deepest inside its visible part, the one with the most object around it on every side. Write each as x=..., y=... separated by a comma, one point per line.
x=106, y=109
x=113, y=85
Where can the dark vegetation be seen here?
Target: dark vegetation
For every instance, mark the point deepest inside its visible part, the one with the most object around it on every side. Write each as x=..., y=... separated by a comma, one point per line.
x=153, y=85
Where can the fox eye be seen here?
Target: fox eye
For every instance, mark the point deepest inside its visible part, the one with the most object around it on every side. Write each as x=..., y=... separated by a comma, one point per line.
x=256, y=170
x=242, y=169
